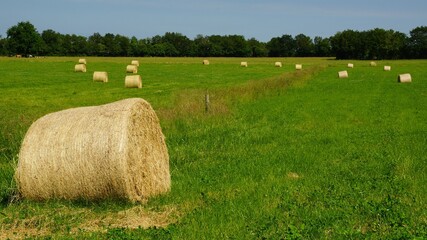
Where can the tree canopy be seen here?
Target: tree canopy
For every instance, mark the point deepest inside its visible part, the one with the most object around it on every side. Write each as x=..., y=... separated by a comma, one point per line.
x=23, y=39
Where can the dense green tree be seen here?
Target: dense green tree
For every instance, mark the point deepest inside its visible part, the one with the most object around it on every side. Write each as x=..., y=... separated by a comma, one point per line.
x=284, y=46
x=53, y=43
x=23, y=39
x=418, y=42
x=304, y=46
x=257, y=48
x=322, y=47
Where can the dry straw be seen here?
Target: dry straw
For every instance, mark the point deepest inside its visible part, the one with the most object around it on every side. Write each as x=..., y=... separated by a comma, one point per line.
x=82, y=61
x=115, y=150
x=100, y=76
x=80, y=68
x=131, y=69
x=343, y=74
x=278, y=64
x=373, y=64
x=133, y=81
x=135, y=62
x=244, y=64
x=404, y=78
x=387, y=68
x=350, y=65
x=298, y=66
x=205, y=62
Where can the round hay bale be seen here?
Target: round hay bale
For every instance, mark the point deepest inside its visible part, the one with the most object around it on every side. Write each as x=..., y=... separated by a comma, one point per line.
x=100, y=76
x=82, y=61
x=298, y=66
x=80, y=67
x=131, y=69
x=343, y=74
x=350, y=65
x=387, y=68
x=133, y=81
x=116, y=150
x=205, y=62
x=373, y=64
x=404, y=78
x=135, y=62
x=244, y=64
x=278, y=64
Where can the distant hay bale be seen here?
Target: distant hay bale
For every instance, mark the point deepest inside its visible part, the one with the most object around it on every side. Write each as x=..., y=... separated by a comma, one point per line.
x=343, y=74
x=82, y=61
x=373, y=64
x=244, y=64
x=133, y=81
x=278, y=64
x=100, y=76
x=135, y=62
x=205, y=62
x=387, y=68
x=116, y=150
x=298, y=66
x=350, y=65
x=131, y=69
x=404, y=78
x=80, y=68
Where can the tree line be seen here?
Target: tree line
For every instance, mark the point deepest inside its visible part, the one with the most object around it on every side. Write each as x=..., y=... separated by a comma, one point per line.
x=24, y=39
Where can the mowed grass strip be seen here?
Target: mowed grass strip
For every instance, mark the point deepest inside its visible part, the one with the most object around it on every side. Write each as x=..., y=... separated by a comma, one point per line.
x=325, y=158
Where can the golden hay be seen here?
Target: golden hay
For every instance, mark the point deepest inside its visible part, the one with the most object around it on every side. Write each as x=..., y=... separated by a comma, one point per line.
x=82, y=61
x=278, y=64
x=131, y=69
x=350, y=65
x=244, y=64
x=404, y=78
x=373, y=64
x=135, y=62
x=116, y=150
x=205, y=62
x=298, y=66
x=387, y=68
x=80, y=68
x=343, y=74
x=100, y=76
x=133, y=81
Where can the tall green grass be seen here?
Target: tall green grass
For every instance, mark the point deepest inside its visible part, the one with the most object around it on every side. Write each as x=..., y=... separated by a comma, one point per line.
x=281, y=154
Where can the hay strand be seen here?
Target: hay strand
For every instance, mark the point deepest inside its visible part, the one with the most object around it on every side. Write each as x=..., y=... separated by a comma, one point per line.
x=298, y=66
x=80, y=68
x=132, y=69
x=350, y=65
x=115, y=150
x=373, y=64
x=133, y=81
x=404, y=78
x=244, y=64
x=278, y=64
x=100, y=76
x=135, y=62
x=343, y=74
x=82, y=61
x=387, y=68
x=205, y=62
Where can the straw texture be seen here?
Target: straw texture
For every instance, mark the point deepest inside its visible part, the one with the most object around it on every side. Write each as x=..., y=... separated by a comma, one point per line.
x=131, y=69
x=100, y=76
x=343, y=74
x=135, y=62
x=373, y=64
x=133, y=81
x=80, y=68
x=350, y=65
x=244, y=64
x=82, y=61
x=205, y=62
x=404, y=78
x=115, y=150
x=278, y=64
x=298, y=66
x=387, y=68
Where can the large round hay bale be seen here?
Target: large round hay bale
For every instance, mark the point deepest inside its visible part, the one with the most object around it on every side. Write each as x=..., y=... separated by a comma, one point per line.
x=135, y=62
x=343, y=74
x=350, y=65
x=205, y=62
x=404, y=78
x=82, y=61
x=133, y=81
x=100, y=76
x=278, y=64
x=115, y=150
x=298, y=66
x=80, y=68
x=244, y=64
x=387, y=68
x=373, y=64
x=131, y=69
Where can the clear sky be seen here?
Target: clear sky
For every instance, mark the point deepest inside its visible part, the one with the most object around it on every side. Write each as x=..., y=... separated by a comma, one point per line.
x=261, y=19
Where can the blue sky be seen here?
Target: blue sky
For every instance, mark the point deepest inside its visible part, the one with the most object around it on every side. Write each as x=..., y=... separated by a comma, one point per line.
x=262, y=19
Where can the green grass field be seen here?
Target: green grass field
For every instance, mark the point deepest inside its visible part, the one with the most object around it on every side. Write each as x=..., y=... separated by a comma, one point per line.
x=281, y=154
